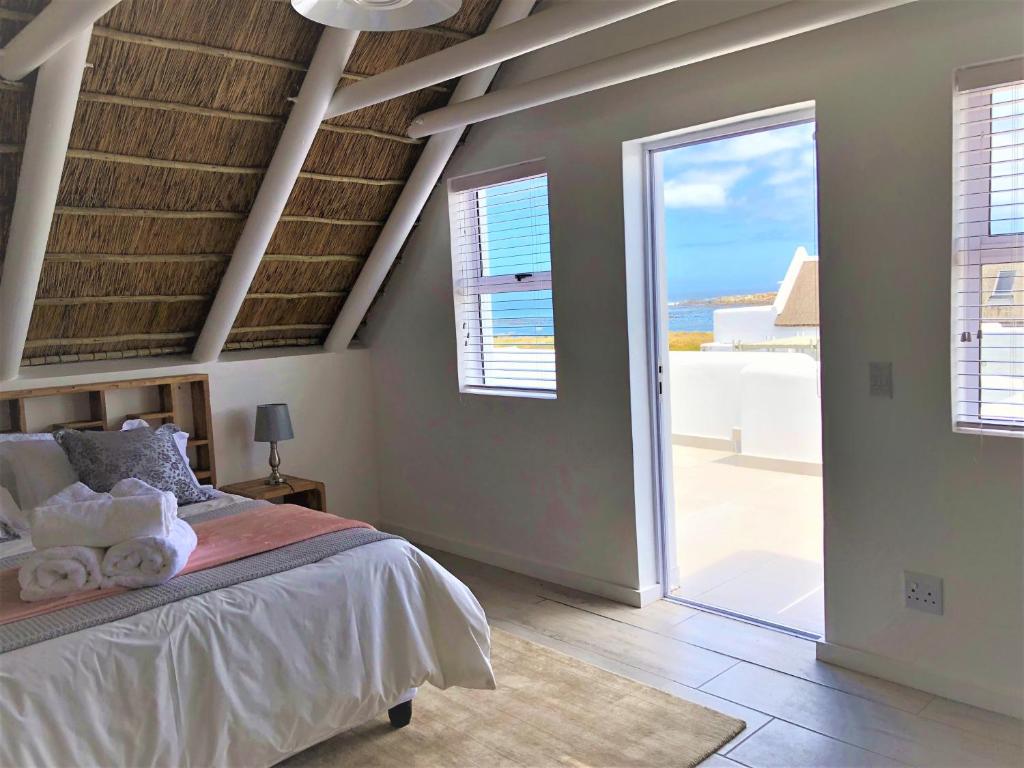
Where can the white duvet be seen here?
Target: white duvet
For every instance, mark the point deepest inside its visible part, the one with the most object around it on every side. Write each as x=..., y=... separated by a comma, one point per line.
x=247, y=675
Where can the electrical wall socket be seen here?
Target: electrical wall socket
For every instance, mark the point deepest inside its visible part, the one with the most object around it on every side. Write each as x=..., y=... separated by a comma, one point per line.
x=922, y=592
x=880, y=379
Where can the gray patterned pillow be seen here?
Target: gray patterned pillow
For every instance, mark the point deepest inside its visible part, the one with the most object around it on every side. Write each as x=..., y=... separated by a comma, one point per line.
x=102, y=459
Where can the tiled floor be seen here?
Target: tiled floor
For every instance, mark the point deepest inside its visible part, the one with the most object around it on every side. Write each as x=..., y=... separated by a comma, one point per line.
x=799, y=712
x=749, y=539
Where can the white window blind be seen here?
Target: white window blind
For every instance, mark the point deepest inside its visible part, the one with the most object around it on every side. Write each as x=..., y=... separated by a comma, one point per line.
x=501, y=262
x=988, y=253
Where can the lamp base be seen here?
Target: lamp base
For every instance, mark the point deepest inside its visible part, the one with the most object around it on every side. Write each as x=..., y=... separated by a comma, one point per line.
x=275, y=478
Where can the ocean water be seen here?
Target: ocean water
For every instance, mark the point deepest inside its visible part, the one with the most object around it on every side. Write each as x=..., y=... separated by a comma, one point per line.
x=697, y=318
x=691, y=318
x=530, y=315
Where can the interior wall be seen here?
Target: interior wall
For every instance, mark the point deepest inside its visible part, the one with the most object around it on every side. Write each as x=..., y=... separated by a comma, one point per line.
x=547, y=486
x=329, y=398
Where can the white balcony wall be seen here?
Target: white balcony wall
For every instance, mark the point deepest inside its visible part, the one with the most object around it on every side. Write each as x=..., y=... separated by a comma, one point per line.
x=706, y=392
x=771, y=398
x=780, y=408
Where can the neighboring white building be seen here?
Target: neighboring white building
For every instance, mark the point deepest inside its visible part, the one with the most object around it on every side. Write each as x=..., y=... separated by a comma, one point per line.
x=793, y=314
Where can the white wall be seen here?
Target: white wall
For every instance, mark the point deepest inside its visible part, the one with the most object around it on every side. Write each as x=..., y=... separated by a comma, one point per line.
x=780, y=410
x=549, y=484
x=754, y=324
x=705, y=392
x=743, y=324
x=329, y=398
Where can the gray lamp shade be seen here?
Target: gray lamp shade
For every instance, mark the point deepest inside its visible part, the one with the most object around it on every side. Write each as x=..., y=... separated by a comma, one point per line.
x=273, y=423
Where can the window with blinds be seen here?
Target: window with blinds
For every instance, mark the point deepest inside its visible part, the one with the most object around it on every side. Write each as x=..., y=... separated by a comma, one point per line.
x=501, y=263
x=988, y=252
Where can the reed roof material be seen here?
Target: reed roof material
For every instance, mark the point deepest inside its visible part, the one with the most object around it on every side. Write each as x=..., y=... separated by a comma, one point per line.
x=180, y=112
x=802, y=305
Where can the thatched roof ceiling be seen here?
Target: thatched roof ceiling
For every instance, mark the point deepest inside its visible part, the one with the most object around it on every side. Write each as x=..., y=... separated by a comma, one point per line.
x=179, y=114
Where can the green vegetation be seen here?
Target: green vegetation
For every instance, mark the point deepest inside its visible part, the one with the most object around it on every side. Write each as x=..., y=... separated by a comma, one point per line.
x=688, y=341
x=678, y=341
x=525, y=342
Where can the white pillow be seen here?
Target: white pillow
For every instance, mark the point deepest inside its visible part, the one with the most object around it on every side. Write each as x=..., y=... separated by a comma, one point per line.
x=180, y=439
x=11, y=514
x=33, y=469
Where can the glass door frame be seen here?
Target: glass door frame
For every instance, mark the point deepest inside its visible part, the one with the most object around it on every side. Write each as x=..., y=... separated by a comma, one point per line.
x=657, y=333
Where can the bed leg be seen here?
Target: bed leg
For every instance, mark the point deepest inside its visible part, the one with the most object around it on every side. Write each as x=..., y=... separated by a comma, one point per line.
x=401, y=714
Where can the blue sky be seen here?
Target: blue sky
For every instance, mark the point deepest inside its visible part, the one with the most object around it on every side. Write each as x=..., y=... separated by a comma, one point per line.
x=736, y=209
x=1007, y=202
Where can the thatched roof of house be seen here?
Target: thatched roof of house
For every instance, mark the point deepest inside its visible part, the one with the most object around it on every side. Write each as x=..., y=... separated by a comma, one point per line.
x=801, y=307
x=180, y=111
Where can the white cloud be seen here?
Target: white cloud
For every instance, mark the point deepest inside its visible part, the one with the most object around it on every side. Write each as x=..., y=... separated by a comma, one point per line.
x=789, y=176
x=702, y=189
x=680, y=194
x=793, y=169
x=770, y=146
x=739, y=149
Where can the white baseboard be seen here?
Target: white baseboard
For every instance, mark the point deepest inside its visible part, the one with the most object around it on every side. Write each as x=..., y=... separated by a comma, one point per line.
x=637, y=598
x=1004, y=702
x=712, y=443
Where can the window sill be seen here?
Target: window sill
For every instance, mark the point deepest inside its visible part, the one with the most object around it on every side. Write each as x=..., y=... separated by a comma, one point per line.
x=523, y=393
x=988, y=430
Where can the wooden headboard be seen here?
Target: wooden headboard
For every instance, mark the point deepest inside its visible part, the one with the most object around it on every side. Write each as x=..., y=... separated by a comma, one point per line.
x=170, y=394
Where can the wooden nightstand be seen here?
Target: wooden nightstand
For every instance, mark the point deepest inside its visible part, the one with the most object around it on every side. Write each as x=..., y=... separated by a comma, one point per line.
x=294, y=490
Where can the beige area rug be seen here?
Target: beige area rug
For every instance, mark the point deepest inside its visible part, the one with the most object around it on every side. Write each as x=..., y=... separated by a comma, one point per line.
x=549, y=710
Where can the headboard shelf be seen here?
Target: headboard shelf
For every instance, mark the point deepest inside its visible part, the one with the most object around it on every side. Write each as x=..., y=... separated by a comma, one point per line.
x=82, y=425
x=162, y=416
x=181, y=400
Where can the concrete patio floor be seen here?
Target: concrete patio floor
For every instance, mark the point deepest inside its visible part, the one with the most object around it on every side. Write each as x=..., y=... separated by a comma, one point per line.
x=748, y=539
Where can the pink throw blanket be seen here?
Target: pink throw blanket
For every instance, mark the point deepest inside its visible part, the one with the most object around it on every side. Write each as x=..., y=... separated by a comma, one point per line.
x=220, y=541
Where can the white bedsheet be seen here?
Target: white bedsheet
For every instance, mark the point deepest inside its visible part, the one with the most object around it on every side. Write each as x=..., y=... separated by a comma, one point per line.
x=250, y=674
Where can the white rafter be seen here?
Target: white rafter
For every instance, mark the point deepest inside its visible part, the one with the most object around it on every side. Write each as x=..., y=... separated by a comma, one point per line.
x=55, y=26
x=425, y=175
x=493, y=47
x=325, y=71
x=49, y=130
x=759, y=28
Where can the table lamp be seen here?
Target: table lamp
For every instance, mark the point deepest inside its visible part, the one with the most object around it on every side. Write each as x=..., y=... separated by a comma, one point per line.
x=273, y=424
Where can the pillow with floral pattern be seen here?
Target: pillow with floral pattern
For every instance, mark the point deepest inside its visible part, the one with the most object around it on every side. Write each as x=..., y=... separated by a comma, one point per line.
x=103, y=459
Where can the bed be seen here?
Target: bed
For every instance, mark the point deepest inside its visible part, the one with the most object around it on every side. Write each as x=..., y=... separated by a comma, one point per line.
x=247, y=674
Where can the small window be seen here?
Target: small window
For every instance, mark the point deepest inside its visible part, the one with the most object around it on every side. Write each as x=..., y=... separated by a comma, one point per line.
x=988, y=253
x=1003, y=291
x=501, y=263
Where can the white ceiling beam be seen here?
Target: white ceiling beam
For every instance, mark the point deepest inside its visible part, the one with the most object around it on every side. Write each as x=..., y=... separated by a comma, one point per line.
x=495, y=46
x=424, y=177
x=738, y=34
x=325, y=72
x=47, y=33
x=49, y=130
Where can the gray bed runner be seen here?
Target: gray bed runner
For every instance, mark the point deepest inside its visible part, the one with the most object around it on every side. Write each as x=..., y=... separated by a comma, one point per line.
x=18, y=634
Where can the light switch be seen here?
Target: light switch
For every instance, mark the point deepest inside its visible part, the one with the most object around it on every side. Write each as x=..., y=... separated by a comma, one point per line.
x=880, y=378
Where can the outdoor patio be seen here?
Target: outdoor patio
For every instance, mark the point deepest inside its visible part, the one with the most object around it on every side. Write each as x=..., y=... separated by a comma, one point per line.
x=748, y=537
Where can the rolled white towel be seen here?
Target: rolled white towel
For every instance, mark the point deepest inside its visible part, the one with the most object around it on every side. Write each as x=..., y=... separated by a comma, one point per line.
x=80, y=516
x=150, y=560
x=59, y=571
